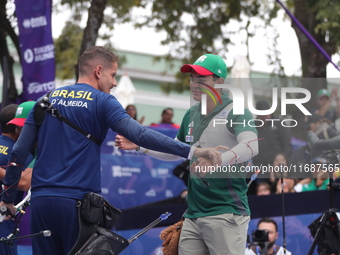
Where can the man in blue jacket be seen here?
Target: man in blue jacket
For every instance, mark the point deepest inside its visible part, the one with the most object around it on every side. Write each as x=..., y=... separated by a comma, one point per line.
x=68, y=162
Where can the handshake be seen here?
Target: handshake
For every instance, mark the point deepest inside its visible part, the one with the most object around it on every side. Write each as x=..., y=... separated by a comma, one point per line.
x=204, y=161
x=204, y=156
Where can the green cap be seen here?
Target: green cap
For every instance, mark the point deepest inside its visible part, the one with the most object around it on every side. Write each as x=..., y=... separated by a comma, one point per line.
x=208, y=64
x=21, y=114
x=323, y=92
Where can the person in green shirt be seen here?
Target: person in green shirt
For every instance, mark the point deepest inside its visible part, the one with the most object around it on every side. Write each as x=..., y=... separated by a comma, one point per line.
x=319, y=180
x=216, y=221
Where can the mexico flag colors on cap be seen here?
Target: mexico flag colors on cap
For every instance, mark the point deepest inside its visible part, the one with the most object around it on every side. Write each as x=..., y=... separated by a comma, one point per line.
x=208, y=64
x=21, y=114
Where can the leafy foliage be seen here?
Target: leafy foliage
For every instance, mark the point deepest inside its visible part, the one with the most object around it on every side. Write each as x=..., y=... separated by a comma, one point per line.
x=203, y=26
x=195, y=27
x=101, y=14
x=67, y=48
x=328, y=15
x=8, y=40
x=208, y=29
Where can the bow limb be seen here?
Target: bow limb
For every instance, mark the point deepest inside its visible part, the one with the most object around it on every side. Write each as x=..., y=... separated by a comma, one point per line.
x=23, y=203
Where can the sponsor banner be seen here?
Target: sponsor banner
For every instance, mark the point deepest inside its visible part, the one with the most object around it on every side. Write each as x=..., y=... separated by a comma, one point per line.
x=36, y=46
x=131, y=179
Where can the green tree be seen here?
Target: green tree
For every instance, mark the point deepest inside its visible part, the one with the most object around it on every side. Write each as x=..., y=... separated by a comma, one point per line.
x=322, y=21
x=207, y=33
x=116, y=12
x=201, y=26
x=67, y=48
x=8, y=36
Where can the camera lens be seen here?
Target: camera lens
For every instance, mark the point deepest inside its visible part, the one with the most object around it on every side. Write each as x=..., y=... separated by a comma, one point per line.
x=260, y=235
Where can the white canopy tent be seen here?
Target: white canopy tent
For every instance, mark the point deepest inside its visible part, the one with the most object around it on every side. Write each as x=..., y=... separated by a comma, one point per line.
x=124, y=91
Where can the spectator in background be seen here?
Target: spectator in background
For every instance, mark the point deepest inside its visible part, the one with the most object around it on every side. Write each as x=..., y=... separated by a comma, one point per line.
x=263, y=188
x=280, y=160
x=275, y=138
x=270, y=226
x=320, y=126
x=288, y=185
x=166, y=121
x=324, y=101
x=319, y=179
x=132, y=111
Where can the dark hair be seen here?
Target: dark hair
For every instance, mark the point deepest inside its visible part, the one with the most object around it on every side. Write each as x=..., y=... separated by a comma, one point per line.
x=131, y=105
x=96, y=55
x=7, y=114
x=283, y=154
x=166, y=109
x=268, y=220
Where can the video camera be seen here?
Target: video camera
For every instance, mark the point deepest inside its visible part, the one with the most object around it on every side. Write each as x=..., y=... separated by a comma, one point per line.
x=260, y=238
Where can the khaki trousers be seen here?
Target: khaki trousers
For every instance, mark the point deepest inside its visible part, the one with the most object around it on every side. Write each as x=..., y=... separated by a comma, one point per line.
x=214, y=235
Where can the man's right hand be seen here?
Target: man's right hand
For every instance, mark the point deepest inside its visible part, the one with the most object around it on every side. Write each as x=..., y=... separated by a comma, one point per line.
x=11, y=209
x=124, y=144
x=211, y=153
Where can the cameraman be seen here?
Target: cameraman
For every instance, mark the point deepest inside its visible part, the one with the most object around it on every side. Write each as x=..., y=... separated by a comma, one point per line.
x=269, y=226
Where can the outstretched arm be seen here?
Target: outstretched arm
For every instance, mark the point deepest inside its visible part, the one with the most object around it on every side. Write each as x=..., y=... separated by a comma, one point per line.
x=124, y=144
x=156, y=141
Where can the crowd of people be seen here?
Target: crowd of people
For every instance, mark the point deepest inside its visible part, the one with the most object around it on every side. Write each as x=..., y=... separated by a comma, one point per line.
x=275, y=149
x=166, y=117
